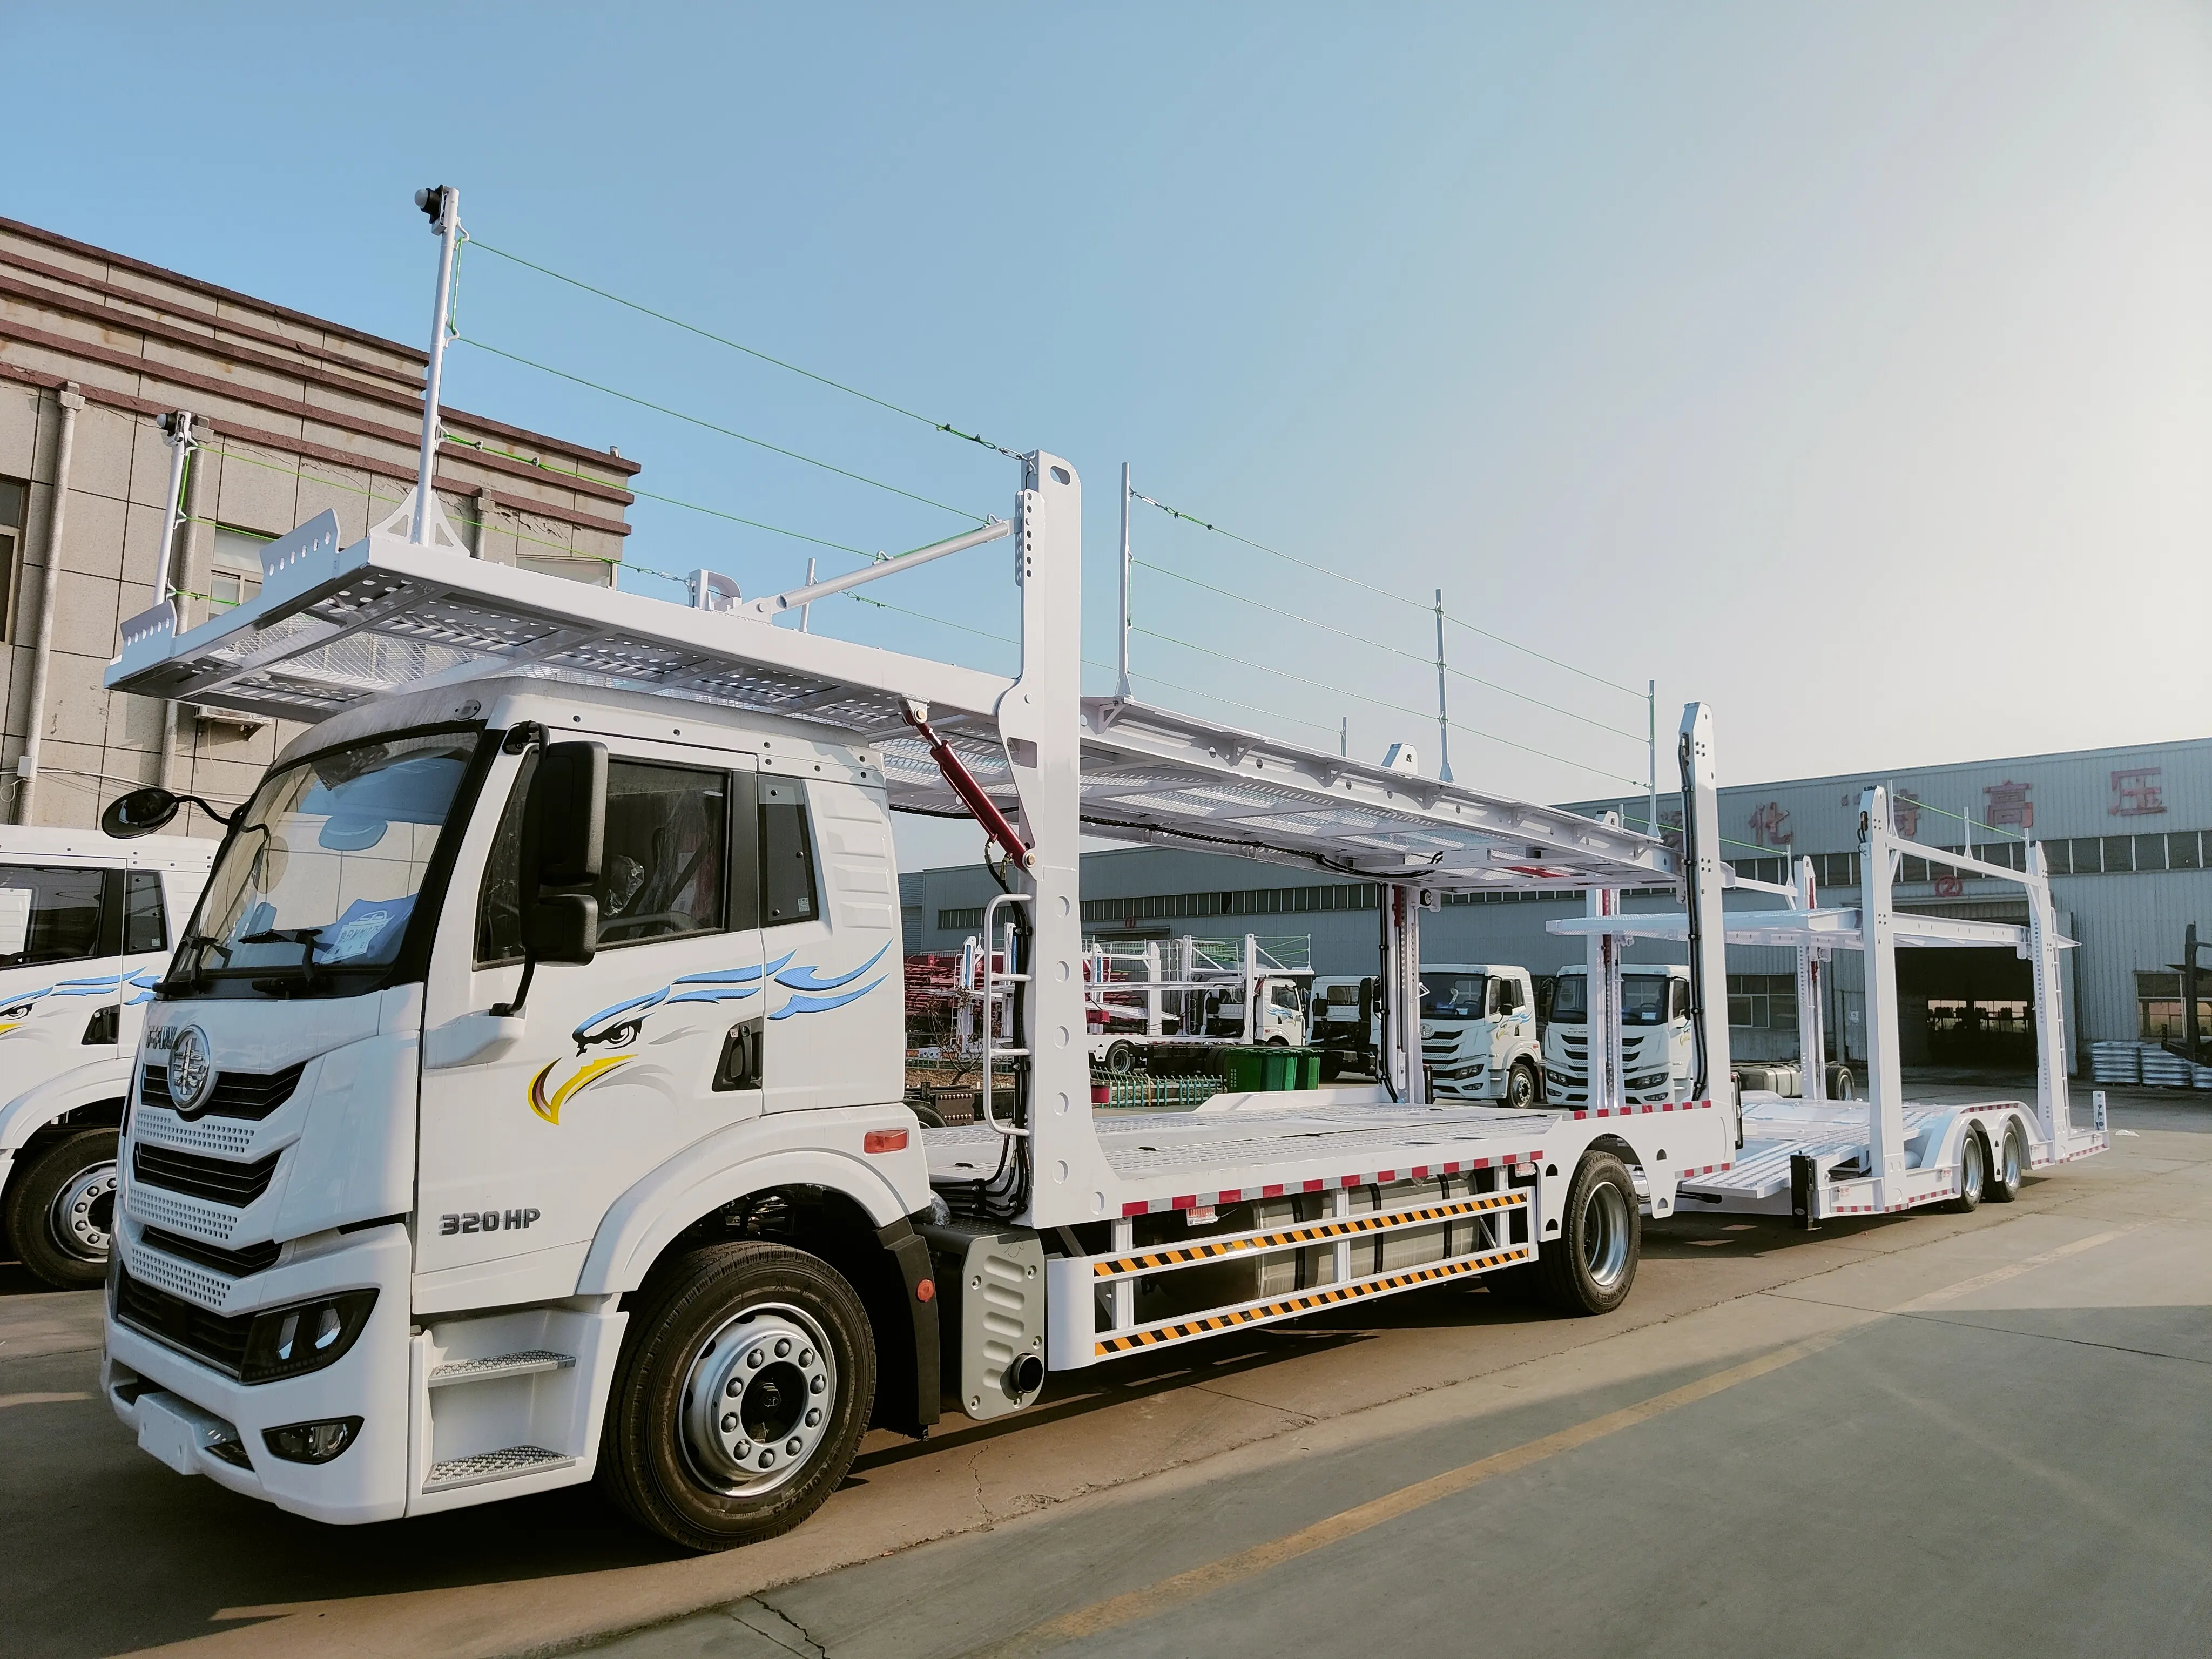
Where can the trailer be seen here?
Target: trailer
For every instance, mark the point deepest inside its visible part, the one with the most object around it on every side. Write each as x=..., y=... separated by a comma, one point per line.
x=1187, y=995
x=1813, y=1157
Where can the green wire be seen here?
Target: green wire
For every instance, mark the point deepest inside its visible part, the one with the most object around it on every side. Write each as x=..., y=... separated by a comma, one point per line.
x=749, y=351
x=709, y=426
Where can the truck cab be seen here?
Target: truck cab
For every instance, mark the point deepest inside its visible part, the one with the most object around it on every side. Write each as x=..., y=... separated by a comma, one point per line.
x=1279, y=1019
x=1342, y=1023
x=86, y=927
x=1658, y=1057
x=1479, y=1032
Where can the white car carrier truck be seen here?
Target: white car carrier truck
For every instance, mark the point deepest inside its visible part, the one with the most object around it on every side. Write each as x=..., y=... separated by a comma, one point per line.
x=1479, y=1032
x=1657, y=1050
x=86, y=925
x=524, y=1103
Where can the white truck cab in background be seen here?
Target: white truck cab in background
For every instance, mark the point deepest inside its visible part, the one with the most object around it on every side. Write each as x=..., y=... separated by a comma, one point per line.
x=87, y=924
x=1479, y=1032
x=1658, y=1057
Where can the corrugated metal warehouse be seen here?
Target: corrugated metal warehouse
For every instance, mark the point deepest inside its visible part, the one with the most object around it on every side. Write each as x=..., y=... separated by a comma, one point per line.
x=2128, y=833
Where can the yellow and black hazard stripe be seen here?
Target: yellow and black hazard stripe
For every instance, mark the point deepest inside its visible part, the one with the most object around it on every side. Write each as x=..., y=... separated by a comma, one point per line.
x=1315, y=1232
x=1307, y=1302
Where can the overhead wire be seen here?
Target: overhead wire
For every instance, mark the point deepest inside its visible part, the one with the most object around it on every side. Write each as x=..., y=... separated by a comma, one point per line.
x=751, y=351
x=713, y=426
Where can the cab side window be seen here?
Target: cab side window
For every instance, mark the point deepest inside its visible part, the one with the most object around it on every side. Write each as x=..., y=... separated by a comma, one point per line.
x=1507, y=992
x=786, y=854
x=661, y=876
x=145, y=919
x=51, y=913
x=1680, y=1007
x=499, y=907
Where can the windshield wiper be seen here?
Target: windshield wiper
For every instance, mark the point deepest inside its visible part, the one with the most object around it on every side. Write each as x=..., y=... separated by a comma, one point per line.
x=309, y=971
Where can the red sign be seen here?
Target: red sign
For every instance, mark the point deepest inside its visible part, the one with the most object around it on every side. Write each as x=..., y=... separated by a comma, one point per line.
x=1949, y=886
x=2008, y=807
x=2136, y=793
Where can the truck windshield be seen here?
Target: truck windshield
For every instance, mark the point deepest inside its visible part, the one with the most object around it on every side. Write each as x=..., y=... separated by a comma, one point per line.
x=313, y=889
x=1452, y=996
x=1643, y=999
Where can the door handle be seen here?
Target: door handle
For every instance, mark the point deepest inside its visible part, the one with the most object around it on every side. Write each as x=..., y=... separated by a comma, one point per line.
x=740, y=1066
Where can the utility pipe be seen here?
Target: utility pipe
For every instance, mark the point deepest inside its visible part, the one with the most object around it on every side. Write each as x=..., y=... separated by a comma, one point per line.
x=443, y=204
x=1122, y=659
x=27, y=768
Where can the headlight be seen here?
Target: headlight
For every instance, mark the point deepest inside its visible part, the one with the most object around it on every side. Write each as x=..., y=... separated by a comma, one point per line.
x=312, y=1442
x=305, y=1337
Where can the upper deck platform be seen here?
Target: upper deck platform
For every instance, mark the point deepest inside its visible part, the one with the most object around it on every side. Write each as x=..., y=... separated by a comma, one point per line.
x=333, y=627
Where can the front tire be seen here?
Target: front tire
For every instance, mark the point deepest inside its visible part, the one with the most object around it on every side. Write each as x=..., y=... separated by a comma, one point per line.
x=61, y=1211
x=1522, y=1091
x=1591, y=1265
x=1120, y=1058
x=744, y=1385
x=1973, y=1173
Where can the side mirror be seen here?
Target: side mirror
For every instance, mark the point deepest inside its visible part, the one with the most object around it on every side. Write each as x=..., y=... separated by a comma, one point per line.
x=562, y=927
x=564, y=822
x=141, y=812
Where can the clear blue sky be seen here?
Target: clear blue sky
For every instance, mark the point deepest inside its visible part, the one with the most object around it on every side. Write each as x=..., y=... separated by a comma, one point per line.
x=1846, y=366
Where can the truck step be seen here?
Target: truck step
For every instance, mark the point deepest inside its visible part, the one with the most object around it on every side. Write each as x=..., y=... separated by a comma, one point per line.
x=493, y=1466
x=505, y=1365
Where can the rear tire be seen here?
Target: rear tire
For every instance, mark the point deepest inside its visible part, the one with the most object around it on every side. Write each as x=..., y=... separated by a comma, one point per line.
x=61, y=1211
x=2003, y=1184
x=745, y=1384
x=1591, y=1265
x=1120, y=1058
x=1840, y=1082
x=1973, y=1173
x=1331, y=1065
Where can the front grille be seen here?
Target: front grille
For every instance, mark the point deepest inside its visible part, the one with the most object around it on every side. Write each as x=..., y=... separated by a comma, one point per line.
x=236, y=1094
x=248, y=1258
x=213, y=1178
x=219, y=1339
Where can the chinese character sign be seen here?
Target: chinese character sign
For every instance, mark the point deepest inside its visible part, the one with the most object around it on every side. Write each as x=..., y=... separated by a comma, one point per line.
x=2136, y=793
x=2007, y=807
x=1770, y=826
x=1904, y=815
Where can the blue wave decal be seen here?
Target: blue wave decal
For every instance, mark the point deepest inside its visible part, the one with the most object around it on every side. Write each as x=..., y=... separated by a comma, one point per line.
x=822, y=1005
x=716, y=993
x=802, y=979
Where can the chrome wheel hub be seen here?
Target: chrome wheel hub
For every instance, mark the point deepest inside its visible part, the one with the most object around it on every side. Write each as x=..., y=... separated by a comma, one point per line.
x=1605, y=1234
x=82, y=1221
x=757, y=1401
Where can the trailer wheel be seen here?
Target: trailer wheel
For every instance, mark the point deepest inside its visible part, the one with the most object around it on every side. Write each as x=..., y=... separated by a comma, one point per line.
x=1840, y=1082
x=1332, y=1064
x=1973, y=1173
x=61, y=1211
x=2003, y=1183
x=1589, y=1266
x=1521, y=1091
x=1120, y=1058
x=744, y=1387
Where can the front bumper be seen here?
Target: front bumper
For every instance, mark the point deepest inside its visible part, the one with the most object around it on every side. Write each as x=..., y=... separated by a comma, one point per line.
x=179, y=1406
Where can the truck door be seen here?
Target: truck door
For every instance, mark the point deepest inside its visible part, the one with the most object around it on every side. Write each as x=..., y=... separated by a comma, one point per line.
x=1681, y=1041
x=1516, y=1031
x=623, y=1060
x=61, y=938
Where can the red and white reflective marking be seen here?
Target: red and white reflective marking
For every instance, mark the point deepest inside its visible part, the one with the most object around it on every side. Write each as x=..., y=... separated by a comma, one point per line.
x=1282, y=1190
x=1656, y=1106
x=1702, y=1170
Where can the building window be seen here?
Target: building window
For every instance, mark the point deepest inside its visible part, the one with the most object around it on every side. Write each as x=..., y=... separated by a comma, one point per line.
x=2087, y=856
x=234, y=567
x=14, y=499
x=2181, y=850
x=952, y=920
x=2150, y=852
x=1763, y=1002
x=2120, y=854
x=2158, y=1005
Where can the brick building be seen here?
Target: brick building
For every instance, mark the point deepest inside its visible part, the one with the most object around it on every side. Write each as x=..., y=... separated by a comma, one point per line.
x=292, y=414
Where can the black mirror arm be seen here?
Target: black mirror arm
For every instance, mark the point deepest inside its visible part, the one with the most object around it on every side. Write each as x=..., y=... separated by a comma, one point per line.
x=226, y=819
x=514, y=1010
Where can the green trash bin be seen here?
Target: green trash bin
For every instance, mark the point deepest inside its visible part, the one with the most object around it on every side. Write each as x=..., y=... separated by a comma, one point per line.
x=1253, y=1071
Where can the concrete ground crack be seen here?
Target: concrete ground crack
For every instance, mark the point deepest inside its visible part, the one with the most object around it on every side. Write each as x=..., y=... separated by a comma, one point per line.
x=774, y=1626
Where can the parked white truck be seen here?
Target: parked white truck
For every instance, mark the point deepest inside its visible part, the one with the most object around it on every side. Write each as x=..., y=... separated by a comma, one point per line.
x=1658, y=1057
x=1181, y=993
x=1478, y=1033
x=523, y=1104
x=86, y=926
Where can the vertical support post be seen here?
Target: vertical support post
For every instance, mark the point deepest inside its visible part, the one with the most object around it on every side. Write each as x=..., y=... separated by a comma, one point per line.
x=1877, y=923
x=1153, y=1020
x=1602, y=970
x=1444, y=714
x=2052, y=1108
x=1040, y=721
x=1651, y=737
x=2189, y=992
x=176, y=432
x=806, y=611
x=442, y=203
x=1249, y=972
x=1812, y=1040
x=1125, y=1288
x=1122, y=636
x=1402, y=1019
x=1701, y=881
x=70, y=400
